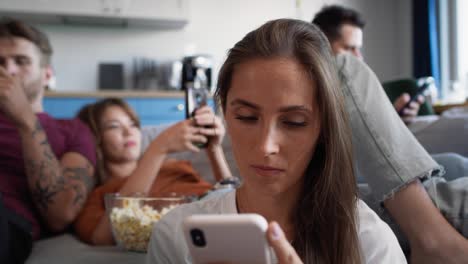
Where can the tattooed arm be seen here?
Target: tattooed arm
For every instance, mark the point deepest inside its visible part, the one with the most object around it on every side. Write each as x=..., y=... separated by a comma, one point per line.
x=59, y=188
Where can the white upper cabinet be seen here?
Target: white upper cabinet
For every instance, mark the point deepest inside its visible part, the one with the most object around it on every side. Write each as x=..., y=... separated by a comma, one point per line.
x=157, y=13
x=169, y=9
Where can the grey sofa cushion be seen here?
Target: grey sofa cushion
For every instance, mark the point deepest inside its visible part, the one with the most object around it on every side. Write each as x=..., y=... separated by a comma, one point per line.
x=445, y=134
x=67, y=249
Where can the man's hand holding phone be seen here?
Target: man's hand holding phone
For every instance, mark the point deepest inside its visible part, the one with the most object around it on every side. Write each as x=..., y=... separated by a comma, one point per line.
x=408, y=107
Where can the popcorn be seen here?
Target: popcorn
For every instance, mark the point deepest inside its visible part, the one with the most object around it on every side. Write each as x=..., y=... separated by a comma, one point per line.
x=132, y=223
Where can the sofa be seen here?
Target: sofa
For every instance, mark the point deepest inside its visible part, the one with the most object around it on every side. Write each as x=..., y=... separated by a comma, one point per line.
x=445, y=133
x=67, y=249
x=437, y=134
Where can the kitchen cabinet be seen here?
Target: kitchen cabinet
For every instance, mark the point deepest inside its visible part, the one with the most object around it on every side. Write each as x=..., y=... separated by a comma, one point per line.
x=152, y=108
x=89, y=7
x=157, y=13
x=163, y=9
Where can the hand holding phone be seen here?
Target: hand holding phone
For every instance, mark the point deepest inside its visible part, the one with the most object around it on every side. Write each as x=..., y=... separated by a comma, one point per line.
x=423, y=86
x=195, y=98
x=230, y=238
x=196, y=82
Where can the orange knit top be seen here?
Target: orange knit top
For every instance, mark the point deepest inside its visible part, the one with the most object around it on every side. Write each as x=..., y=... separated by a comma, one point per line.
x=174, y=177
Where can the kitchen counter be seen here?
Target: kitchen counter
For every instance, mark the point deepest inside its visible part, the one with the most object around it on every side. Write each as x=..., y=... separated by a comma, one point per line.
x=116, y=93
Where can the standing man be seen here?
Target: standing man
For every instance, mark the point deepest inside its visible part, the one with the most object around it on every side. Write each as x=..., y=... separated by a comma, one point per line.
x=343, y=28
x=46, y=165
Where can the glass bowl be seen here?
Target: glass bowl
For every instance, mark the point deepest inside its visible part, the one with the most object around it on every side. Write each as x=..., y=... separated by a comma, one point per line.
x=132, y=218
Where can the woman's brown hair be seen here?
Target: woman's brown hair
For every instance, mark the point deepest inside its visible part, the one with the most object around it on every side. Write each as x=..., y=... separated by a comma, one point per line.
x=91, y=115
x=325, y=219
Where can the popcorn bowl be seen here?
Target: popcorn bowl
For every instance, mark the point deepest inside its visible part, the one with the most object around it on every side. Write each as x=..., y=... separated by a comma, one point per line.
x=132, y=218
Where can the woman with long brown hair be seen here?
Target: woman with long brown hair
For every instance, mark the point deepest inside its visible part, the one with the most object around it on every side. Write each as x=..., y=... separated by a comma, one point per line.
x=281, y=97
x=122, y=169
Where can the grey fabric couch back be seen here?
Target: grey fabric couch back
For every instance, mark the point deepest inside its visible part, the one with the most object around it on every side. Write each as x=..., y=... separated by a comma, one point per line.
x=200, y=160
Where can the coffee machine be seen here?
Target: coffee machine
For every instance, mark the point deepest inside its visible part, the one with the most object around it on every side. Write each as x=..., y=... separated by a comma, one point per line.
x=196, y=81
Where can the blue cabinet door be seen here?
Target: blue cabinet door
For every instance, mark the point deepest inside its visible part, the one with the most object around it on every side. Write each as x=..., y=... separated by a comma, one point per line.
x=152, y=111
x=65, y=107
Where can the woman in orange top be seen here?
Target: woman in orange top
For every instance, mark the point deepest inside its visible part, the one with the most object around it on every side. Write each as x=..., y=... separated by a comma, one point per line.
x=121, y=170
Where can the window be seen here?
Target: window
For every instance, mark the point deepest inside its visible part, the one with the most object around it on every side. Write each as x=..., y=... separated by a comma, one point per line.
x=453, y=43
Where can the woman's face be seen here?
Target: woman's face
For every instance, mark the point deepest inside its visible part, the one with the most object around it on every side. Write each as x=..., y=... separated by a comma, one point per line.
x=273, y=121
x=121, y=138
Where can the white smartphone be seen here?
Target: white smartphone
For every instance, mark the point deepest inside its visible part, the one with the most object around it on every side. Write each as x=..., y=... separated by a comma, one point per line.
x=229, y=238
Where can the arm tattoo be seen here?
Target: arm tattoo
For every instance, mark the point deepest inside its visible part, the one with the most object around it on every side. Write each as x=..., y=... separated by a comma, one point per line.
x=37, y=129
x=47, y=178
x=81, y=182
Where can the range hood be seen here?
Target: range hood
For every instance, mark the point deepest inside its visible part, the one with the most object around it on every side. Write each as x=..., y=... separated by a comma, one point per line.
x=158, y=14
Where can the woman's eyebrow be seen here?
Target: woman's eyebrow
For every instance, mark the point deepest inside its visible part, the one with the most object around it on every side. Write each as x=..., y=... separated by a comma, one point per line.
x=111, y=121
x=290, y=108
x=244, y=103
x=295, y=108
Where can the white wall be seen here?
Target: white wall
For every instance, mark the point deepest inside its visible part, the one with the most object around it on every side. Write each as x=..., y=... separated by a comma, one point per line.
x=388, y=37
x=387, y=46
x=214, y=26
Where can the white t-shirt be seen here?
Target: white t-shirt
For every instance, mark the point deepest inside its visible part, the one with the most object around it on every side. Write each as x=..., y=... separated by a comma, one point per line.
x=377, y=242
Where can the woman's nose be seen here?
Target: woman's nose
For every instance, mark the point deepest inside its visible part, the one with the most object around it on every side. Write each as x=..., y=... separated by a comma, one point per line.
x=269, y=141
x=128, y=130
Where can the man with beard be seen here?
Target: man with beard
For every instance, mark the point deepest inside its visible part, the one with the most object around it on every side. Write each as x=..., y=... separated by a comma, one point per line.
x=428, y=209
x=344, y=29
x=46, y=165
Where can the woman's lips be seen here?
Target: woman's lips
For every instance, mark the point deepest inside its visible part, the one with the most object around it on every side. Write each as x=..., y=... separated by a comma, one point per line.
x=130, y=144
x=266, y=170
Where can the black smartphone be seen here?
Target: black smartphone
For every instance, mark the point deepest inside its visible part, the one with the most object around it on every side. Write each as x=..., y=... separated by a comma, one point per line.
x=195, y=97
x=196, y=81
x=423, y=85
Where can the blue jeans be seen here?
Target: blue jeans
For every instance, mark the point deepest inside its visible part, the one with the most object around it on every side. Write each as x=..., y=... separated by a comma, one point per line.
x=388, y=156
x=450, y=193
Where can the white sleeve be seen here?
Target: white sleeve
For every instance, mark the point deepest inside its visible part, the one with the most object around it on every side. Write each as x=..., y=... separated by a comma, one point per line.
x=159, y=246
x=378, y=243
x=167, y=244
